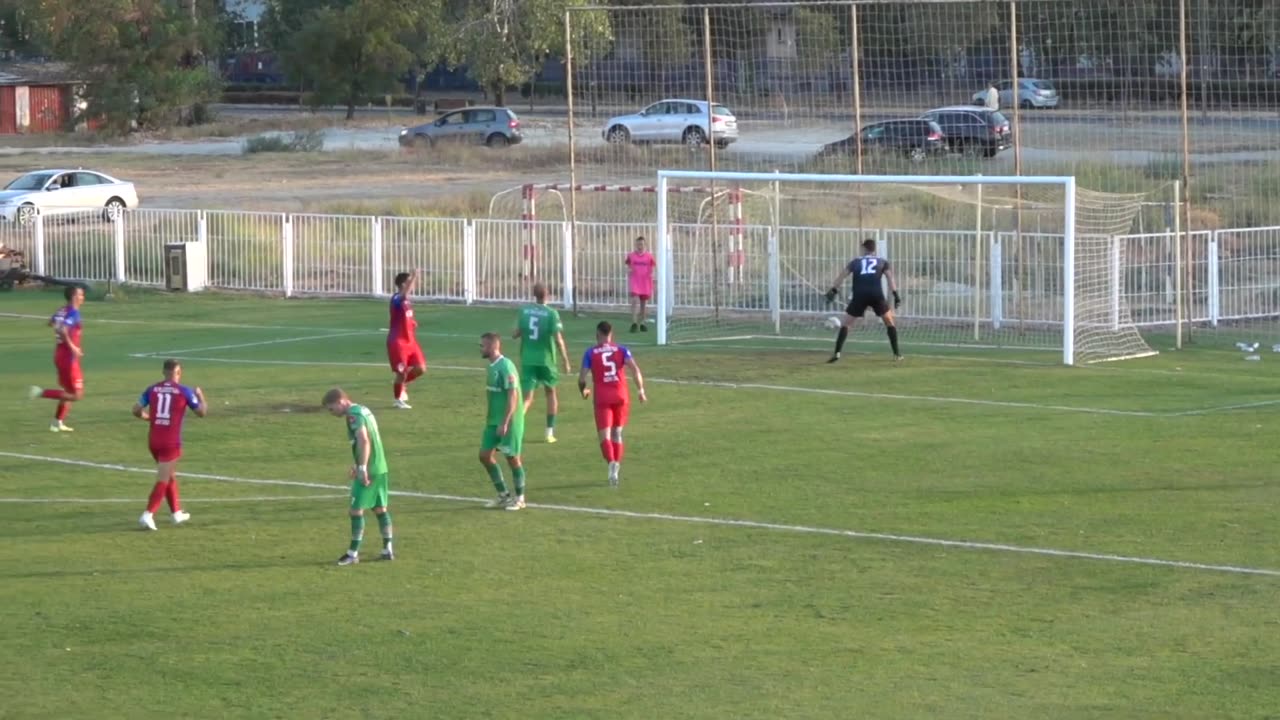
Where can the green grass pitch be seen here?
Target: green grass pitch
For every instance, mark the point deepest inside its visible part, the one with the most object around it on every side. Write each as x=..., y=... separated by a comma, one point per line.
x=647, y=601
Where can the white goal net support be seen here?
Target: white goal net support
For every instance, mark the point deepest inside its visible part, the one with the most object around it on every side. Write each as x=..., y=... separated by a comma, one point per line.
x=1020, y=263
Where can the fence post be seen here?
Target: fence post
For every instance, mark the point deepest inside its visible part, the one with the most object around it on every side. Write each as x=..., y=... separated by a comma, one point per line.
x=286, y=254
x=1215, y=282
x=566, y=255
x=37, y=240
x=469, y=261
x=202, y=227
x=997, y=281
x=117, y=226
x=375, y=257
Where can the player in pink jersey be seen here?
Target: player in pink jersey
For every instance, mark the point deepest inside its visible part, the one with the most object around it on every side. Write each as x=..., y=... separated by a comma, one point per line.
x=163, y=406
x=607, y=365
x=407, y=361
x=66, y=324
x=640, y=268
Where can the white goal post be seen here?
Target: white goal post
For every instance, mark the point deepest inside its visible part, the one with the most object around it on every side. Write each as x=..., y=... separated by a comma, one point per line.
x=1032, y=263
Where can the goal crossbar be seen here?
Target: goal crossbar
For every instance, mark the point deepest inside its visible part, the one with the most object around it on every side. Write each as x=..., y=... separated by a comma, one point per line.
x=663, y=245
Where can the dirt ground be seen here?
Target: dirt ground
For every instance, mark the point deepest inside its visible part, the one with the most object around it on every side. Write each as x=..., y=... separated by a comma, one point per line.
x=283, y=182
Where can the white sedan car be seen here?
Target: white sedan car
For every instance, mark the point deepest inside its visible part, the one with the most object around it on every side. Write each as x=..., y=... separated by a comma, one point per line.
x=674, y=121
x=59, y=192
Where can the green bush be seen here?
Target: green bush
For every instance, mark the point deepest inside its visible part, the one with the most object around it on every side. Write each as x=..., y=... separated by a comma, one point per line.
x=298, y=141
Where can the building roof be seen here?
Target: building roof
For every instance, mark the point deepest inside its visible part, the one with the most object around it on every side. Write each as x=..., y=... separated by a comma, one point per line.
x=36, y=73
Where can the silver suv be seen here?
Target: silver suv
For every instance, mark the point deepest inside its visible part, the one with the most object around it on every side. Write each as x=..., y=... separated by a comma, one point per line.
x=496, y=127
x=674, y=121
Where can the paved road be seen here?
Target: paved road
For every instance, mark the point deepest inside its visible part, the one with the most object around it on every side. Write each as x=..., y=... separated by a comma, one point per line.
x=1247, y=119
x=763, y=143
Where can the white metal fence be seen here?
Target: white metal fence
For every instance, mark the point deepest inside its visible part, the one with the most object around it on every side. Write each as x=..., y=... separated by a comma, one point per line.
x=1234, y=274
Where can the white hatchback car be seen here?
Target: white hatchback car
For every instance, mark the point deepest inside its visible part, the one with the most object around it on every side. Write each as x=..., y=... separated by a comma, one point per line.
x=1033, y=93
x=59, y=192
x=674, y=121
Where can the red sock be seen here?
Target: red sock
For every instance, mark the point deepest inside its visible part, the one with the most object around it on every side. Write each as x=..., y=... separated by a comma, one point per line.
x=52, y=395
x=617, y=451
x=414, y=374
x=157, y=496
x=398, y=389
x=171, y=494
x=606, y=450
x=63, y=408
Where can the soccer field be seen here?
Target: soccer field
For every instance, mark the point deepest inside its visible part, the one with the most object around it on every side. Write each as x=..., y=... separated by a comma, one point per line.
x=947, y=537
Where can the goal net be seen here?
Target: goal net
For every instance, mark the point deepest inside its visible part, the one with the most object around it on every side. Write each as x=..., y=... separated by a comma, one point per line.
x=1022, y=263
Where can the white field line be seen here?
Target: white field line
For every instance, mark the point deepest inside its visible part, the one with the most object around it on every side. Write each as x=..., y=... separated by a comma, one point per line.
x=166, y=353
x=710, y=344
x=780, y=388
x=734, y=386
x=185, y=500
x=720, y=522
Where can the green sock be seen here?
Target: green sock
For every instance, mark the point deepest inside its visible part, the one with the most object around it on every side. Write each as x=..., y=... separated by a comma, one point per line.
x=551, y=422
x=384, y=524
x=495, y=475
x=357, y=533
x=518, y=474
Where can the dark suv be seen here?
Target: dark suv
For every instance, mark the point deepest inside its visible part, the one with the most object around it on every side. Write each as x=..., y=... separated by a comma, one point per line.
x=972, y=131
x=917, y=139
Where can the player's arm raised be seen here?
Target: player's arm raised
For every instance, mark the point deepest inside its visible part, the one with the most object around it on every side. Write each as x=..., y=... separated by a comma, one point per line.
x=835, y=286
x=893, y=286
x=361, y=470
x=634, y=368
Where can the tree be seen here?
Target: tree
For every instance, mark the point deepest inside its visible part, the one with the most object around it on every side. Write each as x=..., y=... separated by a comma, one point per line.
x=503, y=43
x=349, y=50
x=19, y=29
x=140, y=59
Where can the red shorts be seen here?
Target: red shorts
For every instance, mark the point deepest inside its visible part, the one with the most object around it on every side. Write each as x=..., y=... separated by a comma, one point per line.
x=640, y=297
x=612, y=415
x=403, y=357
x=69, y=377
x=165, y=453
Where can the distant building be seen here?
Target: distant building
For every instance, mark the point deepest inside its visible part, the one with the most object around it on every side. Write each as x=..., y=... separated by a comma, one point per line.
x=250, y=10
x=246, y=22
x=37, y=98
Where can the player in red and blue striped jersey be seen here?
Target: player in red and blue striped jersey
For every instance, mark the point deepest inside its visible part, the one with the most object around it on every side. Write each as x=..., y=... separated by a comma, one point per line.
x=163, y=406
x=607, y=364
x=403, y=351
x=67, y=351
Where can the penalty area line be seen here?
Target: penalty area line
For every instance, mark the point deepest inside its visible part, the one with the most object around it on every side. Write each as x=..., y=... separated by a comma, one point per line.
x=720, y=522
x=727, y=386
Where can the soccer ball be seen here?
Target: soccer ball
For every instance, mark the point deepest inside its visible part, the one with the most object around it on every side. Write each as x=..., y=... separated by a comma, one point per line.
x=833, y=323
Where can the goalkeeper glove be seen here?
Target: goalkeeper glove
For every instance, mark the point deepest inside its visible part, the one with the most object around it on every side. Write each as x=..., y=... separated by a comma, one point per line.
x=831, y=295
x=897, y=299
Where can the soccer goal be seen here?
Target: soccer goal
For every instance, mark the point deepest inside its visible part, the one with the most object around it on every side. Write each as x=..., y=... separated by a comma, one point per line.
x=1025, y=263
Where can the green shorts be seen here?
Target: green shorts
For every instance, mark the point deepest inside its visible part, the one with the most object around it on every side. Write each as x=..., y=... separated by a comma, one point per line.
x=510, y=445
x=531, y=376
x=375, y=495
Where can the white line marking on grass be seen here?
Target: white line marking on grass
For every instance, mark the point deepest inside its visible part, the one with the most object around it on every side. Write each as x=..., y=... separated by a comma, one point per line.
x=720, y=522
x=185, y=500
x=280, y=341
x=1226, y=408
x=732, y=386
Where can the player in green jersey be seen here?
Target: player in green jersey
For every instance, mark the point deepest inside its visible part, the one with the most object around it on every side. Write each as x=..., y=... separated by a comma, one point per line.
x=541, y=334
x=369, y=479
x=504, y=423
